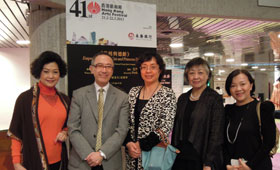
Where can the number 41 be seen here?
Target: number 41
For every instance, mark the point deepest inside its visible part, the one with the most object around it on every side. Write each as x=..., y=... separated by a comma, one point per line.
x=75, y=9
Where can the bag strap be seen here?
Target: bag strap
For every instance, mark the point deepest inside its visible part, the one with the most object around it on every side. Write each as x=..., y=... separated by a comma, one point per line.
x=259, y=117
x=259, y=113
x=163, y=137
x=165, y=141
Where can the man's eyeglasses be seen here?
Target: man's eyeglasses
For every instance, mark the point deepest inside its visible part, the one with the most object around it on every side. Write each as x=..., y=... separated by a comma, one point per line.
x=101, y=66
x=149, y=67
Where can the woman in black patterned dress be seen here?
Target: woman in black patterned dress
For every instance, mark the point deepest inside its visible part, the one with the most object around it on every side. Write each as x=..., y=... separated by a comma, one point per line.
x=152, y=107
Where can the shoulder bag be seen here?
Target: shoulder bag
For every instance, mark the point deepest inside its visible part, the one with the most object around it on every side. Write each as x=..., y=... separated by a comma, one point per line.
x=161, y=156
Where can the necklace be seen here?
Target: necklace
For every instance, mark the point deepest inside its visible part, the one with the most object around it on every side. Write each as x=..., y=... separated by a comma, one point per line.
x=194, y=98
x=152, y=93
x=238, y=128
x=236, y=133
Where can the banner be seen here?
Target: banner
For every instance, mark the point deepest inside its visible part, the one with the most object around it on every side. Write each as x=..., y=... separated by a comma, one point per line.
x=111, y=22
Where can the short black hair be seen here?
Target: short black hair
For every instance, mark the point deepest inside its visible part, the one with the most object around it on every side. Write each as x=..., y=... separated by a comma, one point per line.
x=147, y=57
x=197, y=61
x=235, y=73
x=98, y=54
x=45, y=58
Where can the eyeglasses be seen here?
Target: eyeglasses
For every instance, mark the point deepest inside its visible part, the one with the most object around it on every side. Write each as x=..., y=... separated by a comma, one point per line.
x=153, y=67
x=101, y=66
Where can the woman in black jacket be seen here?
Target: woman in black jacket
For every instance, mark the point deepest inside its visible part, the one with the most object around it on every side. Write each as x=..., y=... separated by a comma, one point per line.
x=244, y=148
x=199, y=122
x=38, y=128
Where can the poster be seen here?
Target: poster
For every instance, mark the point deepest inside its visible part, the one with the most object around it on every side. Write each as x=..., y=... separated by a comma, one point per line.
x=125, y=73
x=166, y=79
x=111, y=23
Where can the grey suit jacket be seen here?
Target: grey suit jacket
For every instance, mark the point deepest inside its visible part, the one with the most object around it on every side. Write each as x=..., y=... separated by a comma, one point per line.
x=83, y=122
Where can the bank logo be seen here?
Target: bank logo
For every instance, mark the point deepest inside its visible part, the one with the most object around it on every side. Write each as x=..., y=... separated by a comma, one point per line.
x=93, y=8
x=131, y=36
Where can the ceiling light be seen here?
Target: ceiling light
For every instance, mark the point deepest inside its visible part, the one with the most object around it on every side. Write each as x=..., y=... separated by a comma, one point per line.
x=255, y=67
x=244, y=64
x=262, y=69
x=23, y=42
x=221, y=71
x=209, y=54
x=218, y=78
x=176, y=45
x=230, y=60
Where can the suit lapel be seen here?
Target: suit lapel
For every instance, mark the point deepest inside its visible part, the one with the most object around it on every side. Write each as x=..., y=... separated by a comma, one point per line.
x=109, y=101
x=91, y=96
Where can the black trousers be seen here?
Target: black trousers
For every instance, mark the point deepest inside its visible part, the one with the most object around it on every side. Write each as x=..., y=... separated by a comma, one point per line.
x=97, y=168
x=55, y=166
x=181, y=164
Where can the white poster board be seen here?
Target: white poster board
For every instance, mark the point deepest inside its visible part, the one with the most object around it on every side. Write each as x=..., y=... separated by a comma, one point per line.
x=111, y=22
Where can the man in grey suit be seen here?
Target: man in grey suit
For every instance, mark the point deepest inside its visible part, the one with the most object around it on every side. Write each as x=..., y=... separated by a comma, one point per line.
x=97, y=142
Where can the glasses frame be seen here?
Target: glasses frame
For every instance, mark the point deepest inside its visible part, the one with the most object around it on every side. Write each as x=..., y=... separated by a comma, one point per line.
x=152, y=68
x=101, y=66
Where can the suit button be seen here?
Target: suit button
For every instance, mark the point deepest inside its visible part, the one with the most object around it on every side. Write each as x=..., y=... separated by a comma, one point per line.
x=94, y=136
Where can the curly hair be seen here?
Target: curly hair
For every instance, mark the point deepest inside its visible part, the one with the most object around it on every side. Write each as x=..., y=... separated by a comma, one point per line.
x=147, y=57
x=45, y=58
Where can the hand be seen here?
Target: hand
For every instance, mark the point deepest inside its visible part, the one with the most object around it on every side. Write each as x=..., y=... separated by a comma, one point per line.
x=94, y=159
x=138, y=146
x=61, y=136
x=206, y=168
x=232, y=167
x=18, y=166
x=243, y=165
x=133, y=149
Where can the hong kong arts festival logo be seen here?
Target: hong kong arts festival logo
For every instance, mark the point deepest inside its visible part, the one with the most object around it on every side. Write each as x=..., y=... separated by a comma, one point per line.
x=93, y=7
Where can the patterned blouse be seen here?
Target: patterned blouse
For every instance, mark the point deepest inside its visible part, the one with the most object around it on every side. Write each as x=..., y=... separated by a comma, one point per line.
x=158, y=113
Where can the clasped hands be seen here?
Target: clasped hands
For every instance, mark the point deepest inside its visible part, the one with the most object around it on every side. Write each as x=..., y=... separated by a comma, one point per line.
x=134, y=149
x=242, y=166
x=94, y=159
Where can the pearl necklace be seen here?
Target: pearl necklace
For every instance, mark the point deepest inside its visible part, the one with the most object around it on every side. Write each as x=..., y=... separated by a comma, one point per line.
x=193, y=98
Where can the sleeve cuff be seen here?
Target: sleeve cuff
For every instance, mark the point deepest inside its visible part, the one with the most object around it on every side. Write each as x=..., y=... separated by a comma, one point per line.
x=102, y=154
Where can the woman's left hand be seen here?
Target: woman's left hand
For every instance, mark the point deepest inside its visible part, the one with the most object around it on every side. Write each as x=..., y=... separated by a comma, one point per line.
x=61, y=136
x=206, y=168
x=243, y=165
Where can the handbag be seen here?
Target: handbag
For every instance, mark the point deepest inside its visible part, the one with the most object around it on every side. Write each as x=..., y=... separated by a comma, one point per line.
x=161, y=156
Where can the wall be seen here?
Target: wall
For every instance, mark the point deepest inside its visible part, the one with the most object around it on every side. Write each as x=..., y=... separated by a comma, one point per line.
x=15, y=78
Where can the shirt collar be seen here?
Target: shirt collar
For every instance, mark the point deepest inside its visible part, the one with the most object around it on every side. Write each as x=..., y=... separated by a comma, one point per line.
x=97, y=87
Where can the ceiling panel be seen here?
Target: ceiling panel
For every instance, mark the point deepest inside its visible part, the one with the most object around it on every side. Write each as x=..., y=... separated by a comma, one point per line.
x=13, y=23
x=226, y=37
x=202, y=31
